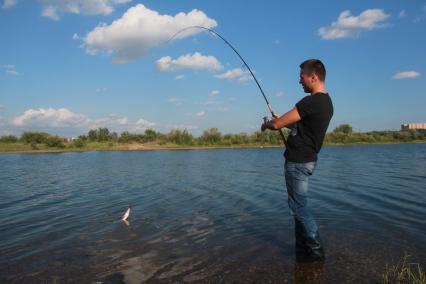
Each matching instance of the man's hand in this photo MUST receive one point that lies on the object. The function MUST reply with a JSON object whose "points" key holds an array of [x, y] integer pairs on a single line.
{"points": [[265, 121]]}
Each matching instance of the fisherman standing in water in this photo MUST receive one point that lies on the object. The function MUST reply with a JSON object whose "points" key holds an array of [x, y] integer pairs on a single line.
{"points": [[308, 122]]}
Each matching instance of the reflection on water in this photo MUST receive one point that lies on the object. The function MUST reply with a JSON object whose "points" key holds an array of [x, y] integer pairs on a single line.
{"points": [[214, 216]]}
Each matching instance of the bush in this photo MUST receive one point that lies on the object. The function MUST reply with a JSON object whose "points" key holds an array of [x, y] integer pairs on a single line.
{"points": [[180, 137], [8, 139], [55, 141], [79, 142]]}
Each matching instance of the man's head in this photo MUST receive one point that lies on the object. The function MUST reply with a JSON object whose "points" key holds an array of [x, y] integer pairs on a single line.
{"points": [[312, 75]]}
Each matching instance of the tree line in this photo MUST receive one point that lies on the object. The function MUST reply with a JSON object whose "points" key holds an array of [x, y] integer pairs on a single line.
{"points": [[343, 134]]}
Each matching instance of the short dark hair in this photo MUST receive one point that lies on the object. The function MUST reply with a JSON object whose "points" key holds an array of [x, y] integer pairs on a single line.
{"points": [[314, 66]]}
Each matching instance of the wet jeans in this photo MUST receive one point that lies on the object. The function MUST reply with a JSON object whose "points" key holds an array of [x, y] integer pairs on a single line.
{"points": [[297, 182]]}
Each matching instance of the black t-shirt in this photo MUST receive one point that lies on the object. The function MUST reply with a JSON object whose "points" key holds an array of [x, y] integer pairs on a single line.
{"points": [[306, 138]]}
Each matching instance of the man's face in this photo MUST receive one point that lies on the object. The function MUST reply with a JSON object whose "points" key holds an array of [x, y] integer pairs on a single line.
{"points": [[305, 81]]}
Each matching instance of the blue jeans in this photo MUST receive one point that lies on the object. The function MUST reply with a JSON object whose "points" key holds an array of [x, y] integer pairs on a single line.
{"points": [[297, 182]]}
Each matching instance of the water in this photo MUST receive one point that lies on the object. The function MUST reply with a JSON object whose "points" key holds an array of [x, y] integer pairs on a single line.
{"points": [[215, 216]]}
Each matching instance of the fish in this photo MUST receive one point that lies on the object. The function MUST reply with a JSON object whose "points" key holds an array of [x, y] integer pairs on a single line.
{"points": [[126, 215]]}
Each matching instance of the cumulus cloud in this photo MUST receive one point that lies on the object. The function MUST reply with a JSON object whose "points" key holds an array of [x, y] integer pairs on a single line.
{"points": [[54, 8], [140, 29], [62, 118], [236, 74], [279, 94], [351, 26], [402, 14], [8, 4], [214, 93], [200, 113], [179, 77], [406, 75], [10, 69], [49, 117], [195, 61]]}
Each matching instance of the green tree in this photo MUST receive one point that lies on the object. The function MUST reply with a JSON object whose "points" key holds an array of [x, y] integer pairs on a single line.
{"points": [[343, 128], [35, 137], [211, 136], [150, 135], [93, 135]]}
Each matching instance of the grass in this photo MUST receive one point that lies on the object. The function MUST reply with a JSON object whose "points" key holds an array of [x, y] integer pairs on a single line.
{"points": [[404, 272]]}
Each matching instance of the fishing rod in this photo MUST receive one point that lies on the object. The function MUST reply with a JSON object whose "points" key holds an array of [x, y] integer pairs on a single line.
{"points": [[245, 64]]}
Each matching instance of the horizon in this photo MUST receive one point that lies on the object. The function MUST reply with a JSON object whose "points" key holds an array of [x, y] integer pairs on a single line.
{"points": [[68, 67]]}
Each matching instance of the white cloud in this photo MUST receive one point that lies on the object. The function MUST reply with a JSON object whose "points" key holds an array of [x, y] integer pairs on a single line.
{"points": [[402, 14], [406, 75], [8, 4], [140, 29], [101, 90], [75, 36], [236, 74], [196, 61], [50, 117], [212, 101], [12, 72], [54, 8], [200, 113], [220, 109], [10, 69], [142, 123], [351, 26], [179, 77], [62, 119], [174, 101], [214, 93], [50, 12], [279, 94]]}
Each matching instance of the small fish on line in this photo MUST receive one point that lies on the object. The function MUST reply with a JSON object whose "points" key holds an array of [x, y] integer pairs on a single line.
{"points": [[126, 215]]}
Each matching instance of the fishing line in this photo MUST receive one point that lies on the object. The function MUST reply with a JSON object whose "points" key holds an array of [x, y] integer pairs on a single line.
{"points": [[245, 64]]}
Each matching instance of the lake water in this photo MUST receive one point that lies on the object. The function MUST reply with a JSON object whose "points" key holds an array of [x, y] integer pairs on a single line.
{"points": [[216, 216]]}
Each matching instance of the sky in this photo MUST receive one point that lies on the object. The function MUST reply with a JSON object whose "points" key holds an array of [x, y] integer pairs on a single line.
{"points": [[68, 66]]}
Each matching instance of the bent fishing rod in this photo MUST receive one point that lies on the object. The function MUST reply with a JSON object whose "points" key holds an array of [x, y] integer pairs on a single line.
{"points": [[245, 64]]}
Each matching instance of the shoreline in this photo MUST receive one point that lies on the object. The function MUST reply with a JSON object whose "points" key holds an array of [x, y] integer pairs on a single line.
{"points": [[142, 147]]}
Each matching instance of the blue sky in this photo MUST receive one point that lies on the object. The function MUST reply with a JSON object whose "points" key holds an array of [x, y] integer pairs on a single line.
{"points": [[71, 65]]}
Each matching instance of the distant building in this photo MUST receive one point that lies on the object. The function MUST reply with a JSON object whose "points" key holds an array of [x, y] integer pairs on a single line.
{"points": [[414, 126]]}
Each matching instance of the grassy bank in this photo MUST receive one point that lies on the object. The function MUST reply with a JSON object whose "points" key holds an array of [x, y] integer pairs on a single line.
{"points": [[101, 146], [102, 140]]}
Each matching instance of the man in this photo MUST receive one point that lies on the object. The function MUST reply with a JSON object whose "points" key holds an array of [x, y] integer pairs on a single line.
{"points": [[308, 122]]}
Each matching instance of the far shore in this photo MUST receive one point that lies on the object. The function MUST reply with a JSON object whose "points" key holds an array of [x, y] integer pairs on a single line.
{"points": [[21, 149]]}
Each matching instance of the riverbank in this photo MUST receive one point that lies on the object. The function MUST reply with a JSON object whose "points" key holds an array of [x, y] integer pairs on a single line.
{"points": [[15, 148]]}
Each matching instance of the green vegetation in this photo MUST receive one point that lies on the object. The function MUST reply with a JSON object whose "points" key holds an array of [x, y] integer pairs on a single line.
{"points": [[404, 272], [103, 139]]}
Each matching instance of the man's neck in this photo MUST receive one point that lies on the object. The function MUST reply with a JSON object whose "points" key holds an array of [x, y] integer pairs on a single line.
{"points": [[319, 89]]}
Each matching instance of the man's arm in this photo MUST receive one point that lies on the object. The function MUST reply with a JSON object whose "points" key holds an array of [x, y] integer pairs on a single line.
{"points": [[285, 120]]}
